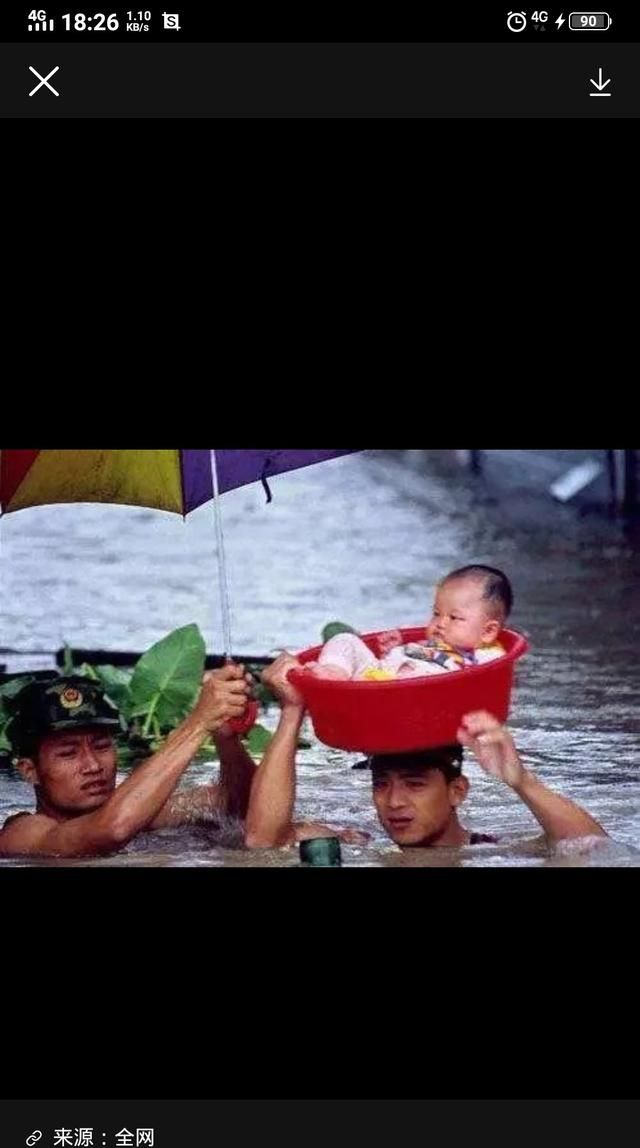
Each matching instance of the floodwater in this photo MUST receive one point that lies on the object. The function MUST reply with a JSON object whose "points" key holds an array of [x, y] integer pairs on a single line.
{"points": [[363, 539]]}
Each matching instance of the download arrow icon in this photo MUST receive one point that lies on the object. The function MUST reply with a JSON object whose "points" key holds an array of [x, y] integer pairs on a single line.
{"points": [[600, 84]]}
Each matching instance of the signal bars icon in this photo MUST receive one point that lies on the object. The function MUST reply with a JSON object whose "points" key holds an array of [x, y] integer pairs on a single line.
{"points": [[42, 26]]}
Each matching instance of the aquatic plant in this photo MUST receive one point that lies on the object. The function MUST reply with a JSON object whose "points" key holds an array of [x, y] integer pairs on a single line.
{"points": [[153, 697]]}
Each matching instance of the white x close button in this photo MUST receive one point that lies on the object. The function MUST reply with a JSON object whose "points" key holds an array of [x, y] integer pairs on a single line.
{"points": [[44, 81]]}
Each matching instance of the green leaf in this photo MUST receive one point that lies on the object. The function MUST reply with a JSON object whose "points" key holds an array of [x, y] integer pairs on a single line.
{"points": [[257, 740], [8, 691], [259, 691], [333, 628], [167, 679], [262, 694], [207, 752], [67, 664], [130, 756], [116, 684], [14, 685]]}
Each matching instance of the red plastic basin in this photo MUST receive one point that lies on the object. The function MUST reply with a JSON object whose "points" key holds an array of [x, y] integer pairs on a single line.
{"points": [[412, 713]]}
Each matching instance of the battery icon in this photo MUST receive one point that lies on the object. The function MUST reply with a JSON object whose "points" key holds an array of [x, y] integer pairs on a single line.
{"points": [[590, 21]]}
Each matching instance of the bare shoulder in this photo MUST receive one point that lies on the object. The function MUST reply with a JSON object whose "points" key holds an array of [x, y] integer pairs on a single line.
{"points": [[14, 817], [23, 833]]}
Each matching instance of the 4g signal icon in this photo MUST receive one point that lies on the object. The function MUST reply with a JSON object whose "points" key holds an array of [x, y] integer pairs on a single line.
{"points": [[38, 22]]}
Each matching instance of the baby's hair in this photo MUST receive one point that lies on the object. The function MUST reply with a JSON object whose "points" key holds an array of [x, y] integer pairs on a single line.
{"points": [[496, 587]]}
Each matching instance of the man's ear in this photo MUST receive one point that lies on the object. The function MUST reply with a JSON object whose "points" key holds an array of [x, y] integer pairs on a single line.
{"points": [[26, 766], [458, 790]]}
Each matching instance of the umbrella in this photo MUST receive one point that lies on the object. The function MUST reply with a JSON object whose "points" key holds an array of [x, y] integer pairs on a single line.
{"points": [[178, 481]]}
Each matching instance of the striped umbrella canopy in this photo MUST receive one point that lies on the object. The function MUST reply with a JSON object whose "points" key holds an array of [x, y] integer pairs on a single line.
{"points": [[171, 480], [174, 480]]}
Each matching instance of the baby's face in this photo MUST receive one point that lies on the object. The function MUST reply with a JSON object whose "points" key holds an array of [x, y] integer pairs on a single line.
{"points": [[461, 616]]}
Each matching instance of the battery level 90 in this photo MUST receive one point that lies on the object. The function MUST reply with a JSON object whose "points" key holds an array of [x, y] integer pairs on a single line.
{"points": [[590, 21]]}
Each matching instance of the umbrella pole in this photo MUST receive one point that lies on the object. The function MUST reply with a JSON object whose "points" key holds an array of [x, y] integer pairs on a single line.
{"points": [[222, 565]]}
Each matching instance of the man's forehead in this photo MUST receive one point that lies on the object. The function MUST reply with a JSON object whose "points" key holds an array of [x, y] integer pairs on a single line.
{"points": [[402, 771]]}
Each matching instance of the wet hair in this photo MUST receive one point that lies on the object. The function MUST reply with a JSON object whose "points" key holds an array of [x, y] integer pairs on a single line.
{"points": [[447, 758], [496, 587]]}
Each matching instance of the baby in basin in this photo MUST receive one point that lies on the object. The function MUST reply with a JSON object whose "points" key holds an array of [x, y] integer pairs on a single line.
{"points": [[470, 609]]}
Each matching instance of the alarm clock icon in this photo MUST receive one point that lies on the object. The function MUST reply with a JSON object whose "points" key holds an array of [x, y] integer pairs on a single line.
{"points": [[516, 22]]}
